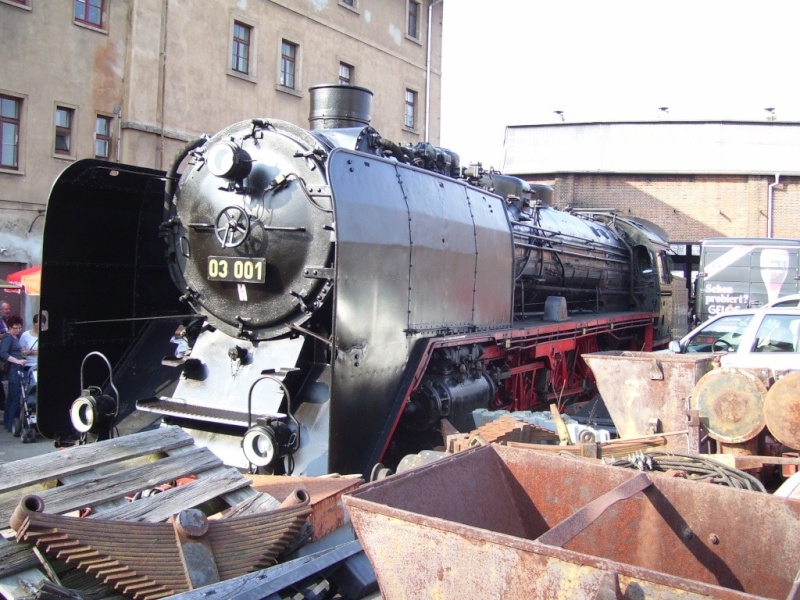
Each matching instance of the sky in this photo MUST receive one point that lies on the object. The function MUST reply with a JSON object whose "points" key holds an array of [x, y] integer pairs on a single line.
{"points": [[515, 62]]}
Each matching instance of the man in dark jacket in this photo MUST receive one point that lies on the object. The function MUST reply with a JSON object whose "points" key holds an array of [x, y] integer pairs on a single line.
{"points": [[5, 312], [11, 352]]}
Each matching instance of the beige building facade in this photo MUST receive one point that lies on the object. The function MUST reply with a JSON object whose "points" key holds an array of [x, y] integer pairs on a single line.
{"points": [[696, 179], [131, 81]]}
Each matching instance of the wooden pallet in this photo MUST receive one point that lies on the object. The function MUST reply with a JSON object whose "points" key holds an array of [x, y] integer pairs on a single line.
{"points": [[127, 478], [105, 476]]}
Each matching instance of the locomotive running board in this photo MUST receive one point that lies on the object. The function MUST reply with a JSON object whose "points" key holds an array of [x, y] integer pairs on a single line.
{"points": [[175, 408], [215, 389]]}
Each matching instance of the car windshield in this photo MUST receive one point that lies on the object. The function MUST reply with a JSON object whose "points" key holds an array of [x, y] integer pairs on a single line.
{"points": [[721, 335]]}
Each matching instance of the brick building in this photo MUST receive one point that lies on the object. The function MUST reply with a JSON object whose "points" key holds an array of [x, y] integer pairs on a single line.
{"points": [[695, 179], [131, 81]]}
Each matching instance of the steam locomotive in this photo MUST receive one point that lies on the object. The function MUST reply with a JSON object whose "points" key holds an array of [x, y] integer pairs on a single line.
{"points": [[346, 300]]}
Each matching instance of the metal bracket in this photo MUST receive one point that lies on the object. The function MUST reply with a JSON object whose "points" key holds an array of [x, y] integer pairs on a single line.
{"points": [[318, 272], [197, 556]]}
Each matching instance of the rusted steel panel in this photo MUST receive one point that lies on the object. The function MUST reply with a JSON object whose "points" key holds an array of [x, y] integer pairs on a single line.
{"points": [[640, 387], [468, 526], [328, 513]]}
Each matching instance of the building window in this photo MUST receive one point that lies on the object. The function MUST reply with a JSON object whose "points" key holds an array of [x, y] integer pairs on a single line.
{"points": [[411, 109], [64, 118], [9, 132], [346, 73], [413, 19], [89, 12], [102, 137], [288, 64], [240, 59], [350, 3]]}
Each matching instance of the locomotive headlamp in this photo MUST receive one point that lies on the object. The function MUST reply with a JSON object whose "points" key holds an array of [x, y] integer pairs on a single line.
{"points": [[95, 411], [92, 411], [259, 445], [264, 443], [229, 161]]}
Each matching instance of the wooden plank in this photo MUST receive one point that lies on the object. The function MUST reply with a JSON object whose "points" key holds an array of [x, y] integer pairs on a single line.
{"points": [[15, 557], [268, 582], [257, 504], [119, 503], [235, 497], [37, 469], [74, 496], [163, 505]]}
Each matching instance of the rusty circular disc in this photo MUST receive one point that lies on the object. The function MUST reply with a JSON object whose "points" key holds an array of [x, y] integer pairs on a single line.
{"points": [[731, 404], [782, 410]]}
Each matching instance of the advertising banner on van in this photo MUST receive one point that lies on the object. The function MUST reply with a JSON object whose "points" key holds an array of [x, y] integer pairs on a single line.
{"points": [[734, 276]]}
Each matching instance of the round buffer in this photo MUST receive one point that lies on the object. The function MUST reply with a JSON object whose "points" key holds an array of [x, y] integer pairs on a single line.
{"points": [[731, 404], [782, 410]]}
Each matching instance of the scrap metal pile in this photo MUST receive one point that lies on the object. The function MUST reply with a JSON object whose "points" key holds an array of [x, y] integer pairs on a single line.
{"points": [[151, 515]]}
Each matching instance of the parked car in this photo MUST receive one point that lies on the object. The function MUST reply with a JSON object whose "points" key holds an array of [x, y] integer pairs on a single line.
{"points": [[720, 333], [753, 338], [790, 301]]}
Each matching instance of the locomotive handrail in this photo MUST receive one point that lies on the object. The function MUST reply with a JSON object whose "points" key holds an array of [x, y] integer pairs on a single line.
{"points": [[600, 246], [569, 253], [132, 319], [561, 235], [303, 331]]}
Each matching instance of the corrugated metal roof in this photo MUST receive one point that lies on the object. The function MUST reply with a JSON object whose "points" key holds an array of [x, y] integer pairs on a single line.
{"points": [[663, 147]]}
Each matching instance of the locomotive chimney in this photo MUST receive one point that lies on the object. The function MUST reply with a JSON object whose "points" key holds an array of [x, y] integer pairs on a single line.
{"points": [[336, 106]]}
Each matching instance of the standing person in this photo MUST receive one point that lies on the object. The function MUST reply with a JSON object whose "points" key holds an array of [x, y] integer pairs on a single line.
{"points": [[5, 312], [29, 340], [11, 352], [180, 339]]}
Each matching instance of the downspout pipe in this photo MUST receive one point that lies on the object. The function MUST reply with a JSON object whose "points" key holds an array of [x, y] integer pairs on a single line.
{"points": [[162, 84], [428, 71], [771, 203]]}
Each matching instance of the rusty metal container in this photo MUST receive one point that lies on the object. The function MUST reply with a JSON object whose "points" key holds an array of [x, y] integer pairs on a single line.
{"points": [[640, 388], [502, 522]]}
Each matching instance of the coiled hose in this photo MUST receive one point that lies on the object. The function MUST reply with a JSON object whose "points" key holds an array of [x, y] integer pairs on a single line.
{"points": [[697, 468]]}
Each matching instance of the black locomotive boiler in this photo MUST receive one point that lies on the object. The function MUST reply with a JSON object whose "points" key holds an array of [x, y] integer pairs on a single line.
{"points": [[344, 298]]}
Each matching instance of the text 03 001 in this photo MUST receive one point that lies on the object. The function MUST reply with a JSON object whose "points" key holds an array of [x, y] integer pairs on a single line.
{"points": [[241, 270]]}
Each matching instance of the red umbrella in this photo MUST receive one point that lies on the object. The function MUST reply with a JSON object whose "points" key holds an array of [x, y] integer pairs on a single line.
{"points": [[29, 280]]}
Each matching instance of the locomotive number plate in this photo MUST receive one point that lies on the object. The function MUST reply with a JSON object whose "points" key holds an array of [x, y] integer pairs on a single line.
{"points": [[239, 270]]}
